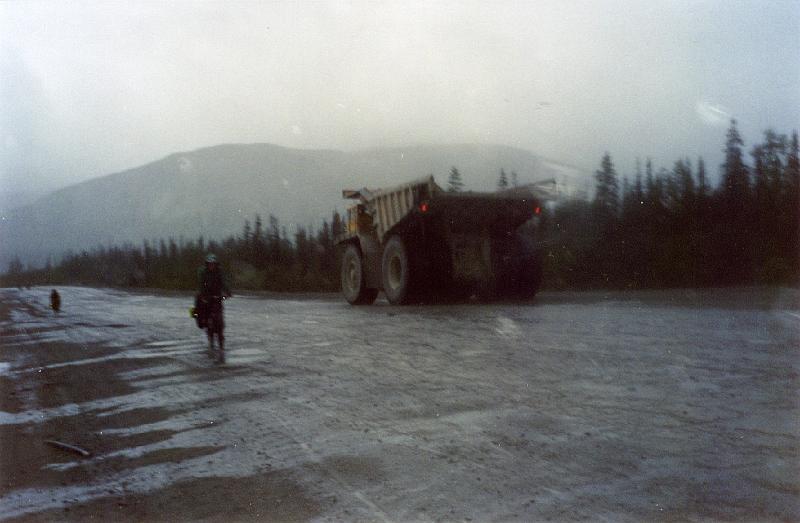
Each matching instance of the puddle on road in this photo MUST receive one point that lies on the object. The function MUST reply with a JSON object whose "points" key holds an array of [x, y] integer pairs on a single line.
{"points": [[20, 316], [151, 372], [89, 361], [140, 457], [38, 415], [170, 343], [262, 496], [178, 423], [246, 352]]}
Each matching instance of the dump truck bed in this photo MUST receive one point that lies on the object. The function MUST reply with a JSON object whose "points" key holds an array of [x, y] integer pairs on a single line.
{"points": [[388, 206]]}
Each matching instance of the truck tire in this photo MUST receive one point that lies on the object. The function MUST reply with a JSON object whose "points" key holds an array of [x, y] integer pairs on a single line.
{"points": [[354, 282], [396, 272], [530, 278]]}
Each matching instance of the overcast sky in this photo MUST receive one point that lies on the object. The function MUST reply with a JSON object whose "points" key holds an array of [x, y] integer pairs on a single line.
{"points": [[90, 88]]}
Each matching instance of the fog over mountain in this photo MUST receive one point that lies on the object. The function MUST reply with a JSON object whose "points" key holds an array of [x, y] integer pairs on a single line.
{"points": [[90, 88], [212, 191]]}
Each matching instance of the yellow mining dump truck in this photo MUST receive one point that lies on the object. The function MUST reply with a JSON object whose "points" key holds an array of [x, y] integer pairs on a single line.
{"points": [[417, 242]]}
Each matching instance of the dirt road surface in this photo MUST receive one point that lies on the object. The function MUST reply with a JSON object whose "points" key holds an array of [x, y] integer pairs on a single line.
{"points": [[658, 406]]}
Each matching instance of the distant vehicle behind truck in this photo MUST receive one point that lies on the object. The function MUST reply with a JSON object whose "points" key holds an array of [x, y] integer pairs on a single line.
{"points": [[417, 242]]}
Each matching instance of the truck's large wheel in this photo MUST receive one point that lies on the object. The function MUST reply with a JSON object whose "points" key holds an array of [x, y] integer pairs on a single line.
{"points": [[354, 282], [530, 277], [396, 272]]}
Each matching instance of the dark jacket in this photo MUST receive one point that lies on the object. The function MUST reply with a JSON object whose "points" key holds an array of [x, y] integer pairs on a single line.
{"points": [[212, 283]]}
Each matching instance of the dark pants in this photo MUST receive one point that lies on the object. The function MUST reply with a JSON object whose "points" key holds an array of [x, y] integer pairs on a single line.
{"points": [[215, 319]]}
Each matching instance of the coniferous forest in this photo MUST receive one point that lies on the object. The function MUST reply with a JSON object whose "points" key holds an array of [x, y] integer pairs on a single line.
{"points": [[655, 228], [671, 228], [260, 258]]}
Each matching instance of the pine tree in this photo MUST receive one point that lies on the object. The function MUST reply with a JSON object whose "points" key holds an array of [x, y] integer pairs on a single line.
{"points": [[274, 240], [650, 184], [702, 228], [258, 245], [735, 221], [502, 182], [792, 173], [605, 211], [673, 191], [775, 239], [735, 178], [774, 151], [638, 191], [258, 229], [791, 204], [337, 225], [454, 183], [514, 179], [327, 256], [686, 187], [760, 177], [606, 198], [628, 198], [702, 182]]}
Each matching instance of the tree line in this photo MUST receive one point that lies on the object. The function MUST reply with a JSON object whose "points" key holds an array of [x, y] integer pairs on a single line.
{"points": [[654, 229], [671, 228], [262, 257]]}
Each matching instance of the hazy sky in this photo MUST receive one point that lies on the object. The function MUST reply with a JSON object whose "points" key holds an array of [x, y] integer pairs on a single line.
{"points": [[89, 88]]}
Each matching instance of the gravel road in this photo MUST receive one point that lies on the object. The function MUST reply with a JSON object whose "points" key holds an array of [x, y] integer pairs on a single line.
{"points": [[673, 405]]}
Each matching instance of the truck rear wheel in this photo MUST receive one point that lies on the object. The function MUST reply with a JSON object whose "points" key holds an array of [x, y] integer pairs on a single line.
{"points": [[396, 272], [530, 278], [354, 282]]}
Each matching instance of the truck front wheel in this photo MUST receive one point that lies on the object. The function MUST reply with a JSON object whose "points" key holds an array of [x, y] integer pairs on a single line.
{"points": [[354, 284], [396, 272]]}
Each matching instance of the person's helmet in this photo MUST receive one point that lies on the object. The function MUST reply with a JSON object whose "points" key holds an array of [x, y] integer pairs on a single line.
{"points": [[211, 258]]}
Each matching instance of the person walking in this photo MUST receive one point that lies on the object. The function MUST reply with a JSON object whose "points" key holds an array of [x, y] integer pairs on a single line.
{"points": [[55, 301], [213, 290]]}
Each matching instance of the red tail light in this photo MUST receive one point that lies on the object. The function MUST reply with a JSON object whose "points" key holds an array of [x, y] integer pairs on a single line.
{"points": [[537, 210], [423, 207]]}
